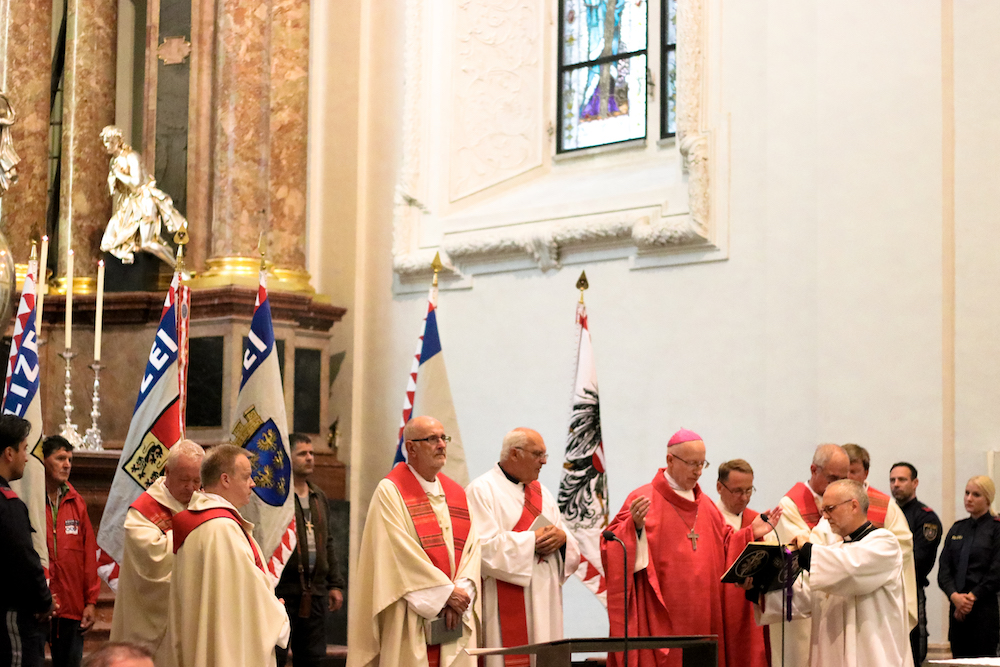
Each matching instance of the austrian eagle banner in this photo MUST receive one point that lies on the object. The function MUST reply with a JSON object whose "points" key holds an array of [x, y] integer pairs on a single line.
{"points": [[23, 399], [429, 393], [583, 489], [156, 427], [261, 428]]}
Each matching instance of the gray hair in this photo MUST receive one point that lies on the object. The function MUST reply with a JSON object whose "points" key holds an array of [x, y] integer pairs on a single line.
{"points": [[824, 453], [514, 439], [188, 448], [854, 489], [112, 652]]}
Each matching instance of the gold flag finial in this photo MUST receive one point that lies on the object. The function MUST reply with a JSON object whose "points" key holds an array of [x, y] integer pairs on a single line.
{"points": [[262, 247], [582, 284], [34, 250], [181, 238], [437, 266]]}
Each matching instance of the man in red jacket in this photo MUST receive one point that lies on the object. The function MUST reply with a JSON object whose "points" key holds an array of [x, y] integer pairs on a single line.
{"points": [[72, 556]]}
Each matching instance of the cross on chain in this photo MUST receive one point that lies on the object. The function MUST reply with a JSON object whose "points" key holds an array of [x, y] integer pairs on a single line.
{"points": [[693, 536]]}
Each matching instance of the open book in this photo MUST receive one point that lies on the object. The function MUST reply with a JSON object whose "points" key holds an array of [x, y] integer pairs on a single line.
{"points": [[765, 563]]}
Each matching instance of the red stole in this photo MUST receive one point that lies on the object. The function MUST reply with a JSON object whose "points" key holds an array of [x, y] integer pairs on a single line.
{"points": [[513, 616], [805, 501], [154, 511], [878, 505], [429, 532], [188, 520]]}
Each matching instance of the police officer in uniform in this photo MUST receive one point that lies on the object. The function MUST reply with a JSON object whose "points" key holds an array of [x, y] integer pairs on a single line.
{"points": [[926, 529], [25, 601], [969, 574]]}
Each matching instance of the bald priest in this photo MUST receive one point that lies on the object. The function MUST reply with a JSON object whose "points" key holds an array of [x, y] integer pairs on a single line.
{"points": [[678, 546], [854, 593]]}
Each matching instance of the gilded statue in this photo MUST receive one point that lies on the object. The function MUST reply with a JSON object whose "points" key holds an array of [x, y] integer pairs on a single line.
{"points": [[139, 210], [8, 156]]}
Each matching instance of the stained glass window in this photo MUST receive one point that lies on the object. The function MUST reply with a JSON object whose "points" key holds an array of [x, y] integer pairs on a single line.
{"points": [[602, 72], [668, 65]]}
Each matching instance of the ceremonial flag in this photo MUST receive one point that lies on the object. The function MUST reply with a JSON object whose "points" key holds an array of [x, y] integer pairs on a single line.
{"points": [[428, 393], [23, 399], [583, 489], [156, 427], [261, 428]]}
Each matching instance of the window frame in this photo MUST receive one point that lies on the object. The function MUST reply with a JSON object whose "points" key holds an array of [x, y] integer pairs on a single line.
{"points": [[666, 50]]}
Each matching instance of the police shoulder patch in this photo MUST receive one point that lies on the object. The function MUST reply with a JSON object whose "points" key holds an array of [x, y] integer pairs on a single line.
{"points": [[931, 531], [8, 493]]}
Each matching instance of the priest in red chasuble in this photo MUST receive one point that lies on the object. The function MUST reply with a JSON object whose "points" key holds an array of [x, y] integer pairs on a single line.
{"points": [[419, 562], [678, 547]]}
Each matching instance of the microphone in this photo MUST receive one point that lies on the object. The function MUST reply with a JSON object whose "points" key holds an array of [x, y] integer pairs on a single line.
{"points": [[785, 601], [611, 537]]}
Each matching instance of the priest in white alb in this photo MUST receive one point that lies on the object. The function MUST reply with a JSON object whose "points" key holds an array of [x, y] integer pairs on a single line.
{"points": [[143, 591], [222, 611], [417, 577], [854, 591], [527, 550]]}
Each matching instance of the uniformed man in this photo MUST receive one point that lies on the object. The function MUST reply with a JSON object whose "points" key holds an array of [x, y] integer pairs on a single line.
{"points": [[25, 601], [926, 529]]}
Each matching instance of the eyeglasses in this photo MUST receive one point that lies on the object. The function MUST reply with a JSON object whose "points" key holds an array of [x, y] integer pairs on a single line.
{"points": [[828, 509], [541, 456], [692, 464], [740, 492], [433, 438]]}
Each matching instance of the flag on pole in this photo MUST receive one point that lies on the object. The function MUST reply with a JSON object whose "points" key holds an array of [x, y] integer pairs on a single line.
{"points": [[156, 427], [261, 428], [23, 399], [428, 393], [583, 489]]}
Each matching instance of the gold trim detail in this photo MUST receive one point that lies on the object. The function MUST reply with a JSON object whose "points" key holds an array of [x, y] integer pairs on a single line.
{"points": [[245, 271], [81, 285]]}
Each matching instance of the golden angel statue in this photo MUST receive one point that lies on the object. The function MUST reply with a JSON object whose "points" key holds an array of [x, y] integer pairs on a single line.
{"points": [[138, 208], [8, 156]]}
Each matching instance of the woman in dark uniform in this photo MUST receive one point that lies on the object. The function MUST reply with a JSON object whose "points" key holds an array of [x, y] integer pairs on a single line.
{"points": [[969, 574]]}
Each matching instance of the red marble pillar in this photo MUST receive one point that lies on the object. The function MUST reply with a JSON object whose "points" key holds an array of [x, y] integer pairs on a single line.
{"points": [[88, 106], [28, 75], [288, 132]]}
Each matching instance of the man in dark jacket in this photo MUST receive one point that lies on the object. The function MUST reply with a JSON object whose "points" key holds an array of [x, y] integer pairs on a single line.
{"points": [[72, 555], [311, 582], [25, 601]]}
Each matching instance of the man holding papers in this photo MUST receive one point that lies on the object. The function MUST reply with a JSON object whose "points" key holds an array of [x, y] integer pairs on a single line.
{"points": [[527, 551]]}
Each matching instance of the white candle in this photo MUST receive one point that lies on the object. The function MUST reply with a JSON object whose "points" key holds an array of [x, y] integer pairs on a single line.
{"points": [[42, 285], [99, 317], [69, 299]]}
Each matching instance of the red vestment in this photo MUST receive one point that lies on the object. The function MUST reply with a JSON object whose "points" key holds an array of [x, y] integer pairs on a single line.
{"points": [[680, 592], [743, 636]]}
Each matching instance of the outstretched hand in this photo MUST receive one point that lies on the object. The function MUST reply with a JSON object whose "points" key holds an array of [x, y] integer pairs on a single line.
{"points": [[762, 528], [639, 508]]}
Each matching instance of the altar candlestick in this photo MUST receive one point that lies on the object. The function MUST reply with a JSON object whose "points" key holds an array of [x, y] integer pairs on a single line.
{"points": [[69, 299], [99, 317]]}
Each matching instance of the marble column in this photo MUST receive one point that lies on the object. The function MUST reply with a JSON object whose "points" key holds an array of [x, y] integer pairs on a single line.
{"points": [[240, 200], [88, 106], [289, 132], [26, 80]]}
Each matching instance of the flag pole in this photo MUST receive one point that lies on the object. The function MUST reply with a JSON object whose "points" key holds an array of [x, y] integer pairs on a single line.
{"points": [[437, 265], [582, 284]]}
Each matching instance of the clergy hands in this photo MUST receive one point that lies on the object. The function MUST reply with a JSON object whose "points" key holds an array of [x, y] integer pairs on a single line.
{"points": [[336, 599], [451, 618], [639, 508], [549, 539], [762, 528], [963, 604], [800, 540], [458, 602], [88, 617]]}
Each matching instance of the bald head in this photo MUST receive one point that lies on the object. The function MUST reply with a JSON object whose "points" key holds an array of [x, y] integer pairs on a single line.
{"points": [[830, 463], [426, 446], [846, 506], [523, 454]]}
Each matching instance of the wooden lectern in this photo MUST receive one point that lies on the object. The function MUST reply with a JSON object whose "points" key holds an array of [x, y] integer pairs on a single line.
{"points": [[699, 650]]}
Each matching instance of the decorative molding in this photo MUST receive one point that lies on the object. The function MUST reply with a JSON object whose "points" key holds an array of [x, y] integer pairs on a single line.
{"points": [[683, 236], [496, 132]]}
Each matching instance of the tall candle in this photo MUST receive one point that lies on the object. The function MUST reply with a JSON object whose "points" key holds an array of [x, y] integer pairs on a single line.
{"points": [[69, 299], [42, 288], [99, 317]]}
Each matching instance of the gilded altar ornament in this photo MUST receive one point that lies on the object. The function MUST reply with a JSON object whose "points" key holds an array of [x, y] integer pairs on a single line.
{"points": [[8, 156], [139, 210]]}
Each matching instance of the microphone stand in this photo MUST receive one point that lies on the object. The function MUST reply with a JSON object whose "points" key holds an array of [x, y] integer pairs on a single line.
{"points": [[784, 593], [611, 537]]}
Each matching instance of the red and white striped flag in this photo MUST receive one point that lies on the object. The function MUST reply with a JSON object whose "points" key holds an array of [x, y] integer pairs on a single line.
{"points": [[583, 489]]}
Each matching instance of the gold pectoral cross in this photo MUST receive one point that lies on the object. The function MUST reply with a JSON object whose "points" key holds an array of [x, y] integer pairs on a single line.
{"points": [[693, 536]]}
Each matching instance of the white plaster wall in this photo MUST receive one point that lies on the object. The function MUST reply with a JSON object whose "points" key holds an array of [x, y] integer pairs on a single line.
{"points": [[824, 325]]}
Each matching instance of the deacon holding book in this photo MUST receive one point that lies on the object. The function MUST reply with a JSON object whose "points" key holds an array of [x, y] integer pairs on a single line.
{"points": [[854, 592], [417, 585], [528, 552], [678, 547], [735, 487]]}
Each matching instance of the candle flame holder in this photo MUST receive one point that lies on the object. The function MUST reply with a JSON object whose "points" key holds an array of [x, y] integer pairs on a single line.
{"points": [[69, 430], [92, 439]]}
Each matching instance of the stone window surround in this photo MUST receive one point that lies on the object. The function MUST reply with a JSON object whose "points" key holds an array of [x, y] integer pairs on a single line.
{"points": [[684, 222]]}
